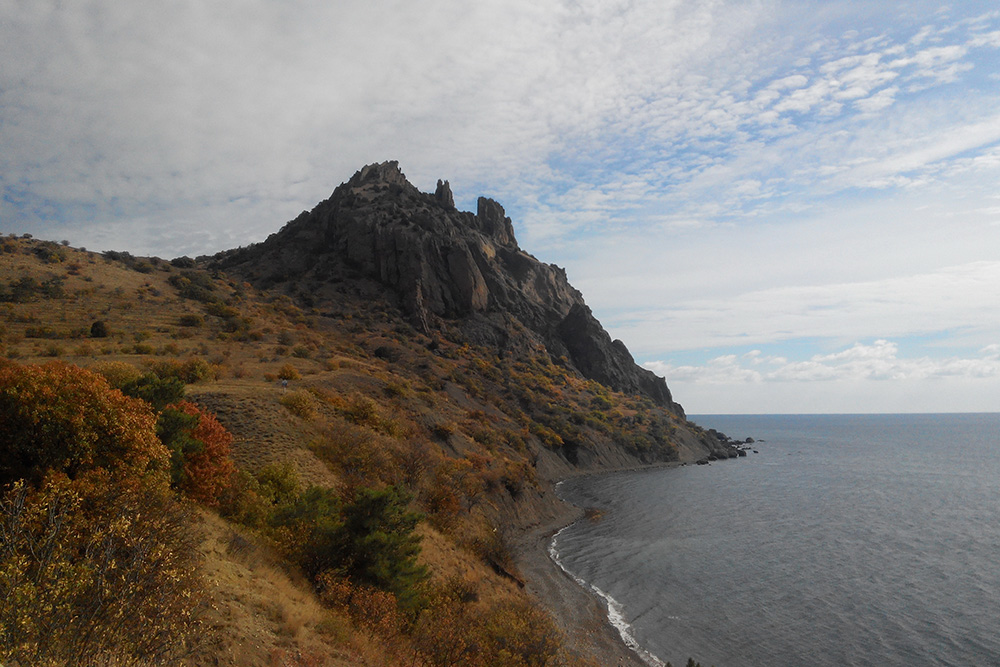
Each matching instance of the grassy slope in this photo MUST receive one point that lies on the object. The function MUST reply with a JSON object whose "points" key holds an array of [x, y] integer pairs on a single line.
{"points": [[477, 439]]}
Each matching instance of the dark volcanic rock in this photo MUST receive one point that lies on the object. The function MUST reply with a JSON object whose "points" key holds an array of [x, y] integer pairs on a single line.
{"points": [[444, 264]]}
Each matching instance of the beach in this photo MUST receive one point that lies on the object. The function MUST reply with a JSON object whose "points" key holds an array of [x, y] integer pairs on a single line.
{"points": [[589, 636]]}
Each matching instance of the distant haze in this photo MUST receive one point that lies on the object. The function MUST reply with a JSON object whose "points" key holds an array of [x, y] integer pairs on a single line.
{"points": [[780, 206]]}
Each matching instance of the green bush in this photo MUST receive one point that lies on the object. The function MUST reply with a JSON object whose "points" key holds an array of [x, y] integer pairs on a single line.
{"points": [[194, 285], [155, 390]]}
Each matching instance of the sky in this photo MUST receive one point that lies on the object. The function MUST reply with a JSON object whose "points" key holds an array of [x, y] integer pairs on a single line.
{"points": [[780, 206]]}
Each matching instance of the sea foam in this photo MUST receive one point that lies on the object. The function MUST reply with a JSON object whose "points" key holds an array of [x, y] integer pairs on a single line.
{"points": [[616, 613]]}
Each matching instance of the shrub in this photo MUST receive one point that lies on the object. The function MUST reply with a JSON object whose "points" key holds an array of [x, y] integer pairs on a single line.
{"points": [[376, 611], [158, 392], [93, 573], [194, 285], [183, 262], [254, 499], [288, 372], [99, 330], [443, 430], [64, 418], [300, 403], [221, 310], [191, 320], [508, 633], [200, 449], [189, 371], [359, 456], [364, 411]]}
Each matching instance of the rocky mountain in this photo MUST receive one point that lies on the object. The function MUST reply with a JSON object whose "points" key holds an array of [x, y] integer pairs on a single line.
{"points": [[382, 350], [442, 266]]}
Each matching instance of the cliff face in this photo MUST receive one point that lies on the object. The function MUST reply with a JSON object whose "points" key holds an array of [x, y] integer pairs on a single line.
{"points": [[445, 265]]}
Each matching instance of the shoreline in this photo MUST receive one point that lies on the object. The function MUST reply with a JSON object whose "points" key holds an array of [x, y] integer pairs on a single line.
{"points": [[590, 635]]}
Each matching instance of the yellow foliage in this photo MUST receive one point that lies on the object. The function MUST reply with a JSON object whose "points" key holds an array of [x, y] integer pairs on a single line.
{"points": [[300, 403], [95, 573]]}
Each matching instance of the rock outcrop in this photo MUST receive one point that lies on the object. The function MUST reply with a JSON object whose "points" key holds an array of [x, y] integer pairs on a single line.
{"points": [[443, 264]]}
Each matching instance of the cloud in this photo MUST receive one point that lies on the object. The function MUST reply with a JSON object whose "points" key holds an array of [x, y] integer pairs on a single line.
{"points": [[952, 298], [166, 116], [877, 361]]}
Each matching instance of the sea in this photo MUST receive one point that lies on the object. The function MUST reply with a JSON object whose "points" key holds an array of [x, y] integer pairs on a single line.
{"points": [[842, 540]]}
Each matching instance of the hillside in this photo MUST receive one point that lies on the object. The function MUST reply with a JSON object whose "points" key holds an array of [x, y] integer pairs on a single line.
{"points": [[383, 340]]}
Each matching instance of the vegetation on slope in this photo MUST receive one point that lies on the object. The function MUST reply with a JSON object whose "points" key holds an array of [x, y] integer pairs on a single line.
{"points": [[371, 472]]}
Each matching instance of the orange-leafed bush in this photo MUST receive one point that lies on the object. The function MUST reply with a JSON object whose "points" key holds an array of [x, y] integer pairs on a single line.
{"points": [[200, 449], [63, 418], [375, 610]]}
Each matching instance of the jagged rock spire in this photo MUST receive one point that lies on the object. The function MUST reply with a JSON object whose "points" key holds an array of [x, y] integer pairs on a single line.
{"points": [[443, 194]]}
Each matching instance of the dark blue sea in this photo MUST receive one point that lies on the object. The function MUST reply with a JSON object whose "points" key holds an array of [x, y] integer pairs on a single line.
{"points": [[846, 540]]}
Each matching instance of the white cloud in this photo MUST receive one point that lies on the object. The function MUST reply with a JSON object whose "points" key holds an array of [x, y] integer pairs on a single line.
{"points": [[697, 164], [879, 101], [878, 361]]}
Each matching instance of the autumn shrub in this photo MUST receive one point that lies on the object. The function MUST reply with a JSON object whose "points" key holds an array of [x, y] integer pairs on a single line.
{"points": [[443, 429], [364, 411], [64, 418], [370, 608], [457, 629], [300, 403], [253, 499], [279, 483], [93, 573], [188, 371], [360, 456], [516, 633], [117, 373], [288, 372], [200, 447], [194, 285], [454, 487]]}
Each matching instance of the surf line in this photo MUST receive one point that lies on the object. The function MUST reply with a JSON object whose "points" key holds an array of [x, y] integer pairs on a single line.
{"points": [[616, 613]]}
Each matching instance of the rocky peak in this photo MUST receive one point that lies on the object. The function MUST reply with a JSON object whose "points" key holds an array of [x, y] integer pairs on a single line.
{"points": [[442, 264], [387, 173], [443, 194], [493, 222]]}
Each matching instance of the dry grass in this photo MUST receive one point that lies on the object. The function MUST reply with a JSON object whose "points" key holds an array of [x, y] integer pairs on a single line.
{"points": [[264, 611]]}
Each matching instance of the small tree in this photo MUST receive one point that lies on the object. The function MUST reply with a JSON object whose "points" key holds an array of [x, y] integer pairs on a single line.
{"points": [[379, 546]]}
